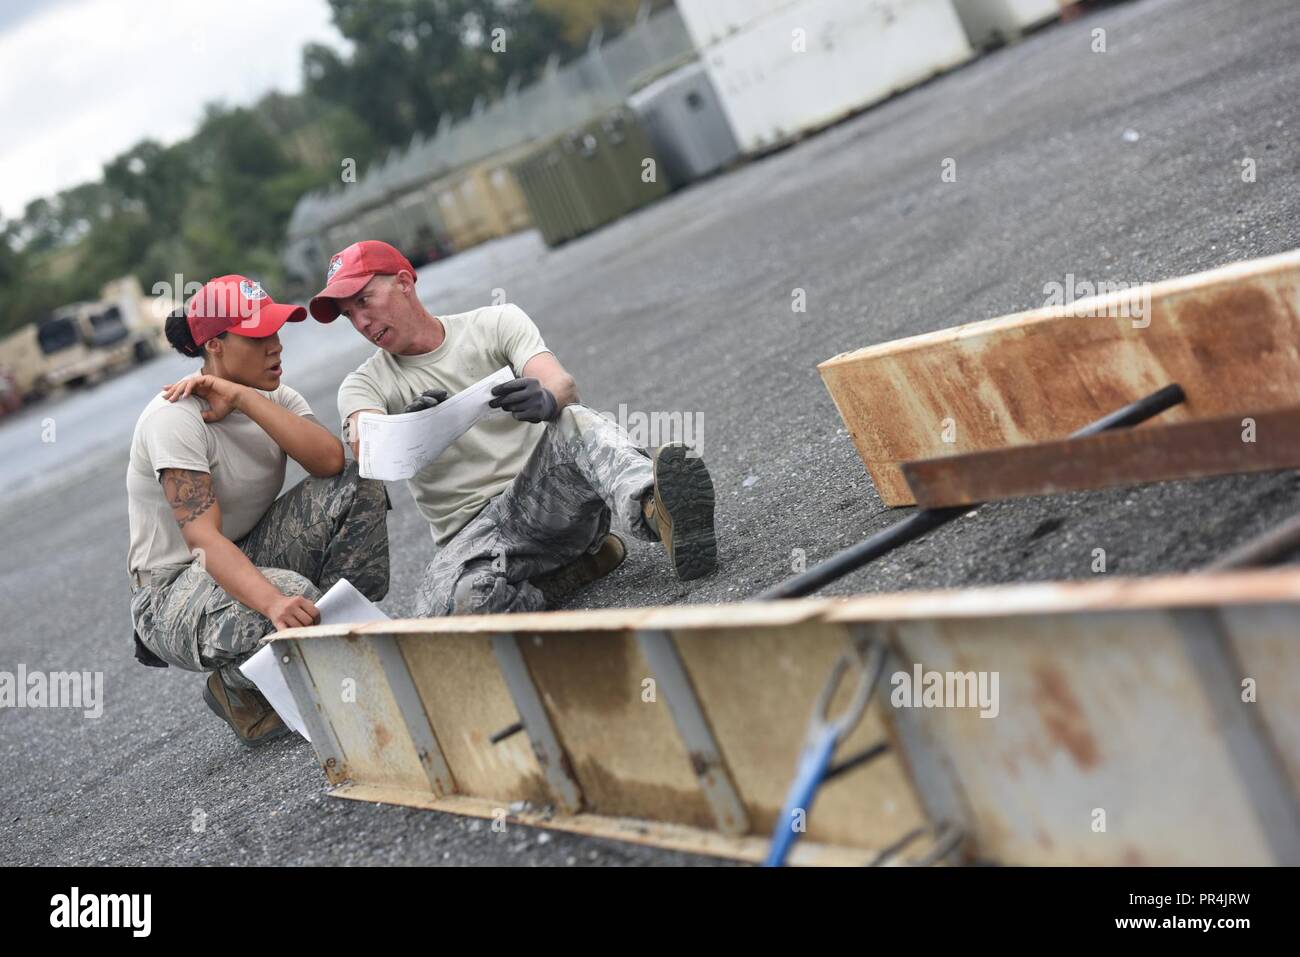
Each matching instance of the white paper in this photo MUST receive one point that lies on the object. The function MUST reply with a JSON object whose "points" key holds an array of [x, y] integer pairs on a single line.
{"points": [[341, 605], [394, 447]]}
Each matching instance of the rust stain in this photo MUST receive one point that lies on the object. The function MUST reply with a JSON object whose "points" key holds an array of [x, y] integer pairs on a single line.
{"points": [[383, 737], [1063, 717], [1133, 858]]}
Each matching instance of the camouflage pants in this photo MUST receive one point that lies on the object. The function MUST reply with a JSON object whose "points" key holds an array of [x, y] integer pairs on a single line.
{"points": [[583, 470], [319, 531]]}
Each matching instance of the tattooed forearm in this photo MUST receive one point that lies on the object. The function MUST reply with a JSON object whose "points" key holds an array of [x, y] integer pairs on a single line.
{"points": [[188, 493]]}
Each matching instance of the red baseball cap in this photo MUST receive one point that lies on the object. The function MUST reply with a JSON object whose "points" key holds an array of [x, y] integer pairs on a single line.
{"points": [[237, 304], [351, 269]]}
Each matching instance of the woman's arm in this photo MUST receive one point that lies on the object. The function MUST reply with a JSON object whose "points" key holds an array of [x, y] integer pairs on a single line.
{"points": [[195, 507], [308, 443]]}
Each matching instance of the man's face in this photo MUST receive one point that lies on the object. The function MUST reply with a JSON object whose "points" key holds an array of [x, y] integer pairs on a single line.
{"points": [[382, 312]]}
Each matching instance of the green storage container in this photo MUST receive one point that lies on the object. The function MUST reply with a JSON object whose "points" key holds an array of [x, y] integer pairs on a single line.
{"points": [[589, 176]]}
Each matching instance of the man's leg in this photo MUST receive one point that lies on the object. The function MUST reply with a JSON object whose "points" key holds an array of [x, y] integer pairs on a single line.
{"points": [[527, 531], [557, 508], [668, 498], [620, 473]]}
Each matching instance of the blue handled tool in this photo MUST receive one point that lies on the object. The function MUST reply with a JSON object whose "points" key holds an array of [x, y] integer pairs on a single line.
{"points": [[820, 742]]}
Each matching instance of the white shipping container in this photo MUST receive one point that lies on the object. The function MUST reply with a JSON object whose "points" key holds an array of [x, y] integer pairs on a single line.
{"points": [[816, 61], [988, 22], [708, 21]]}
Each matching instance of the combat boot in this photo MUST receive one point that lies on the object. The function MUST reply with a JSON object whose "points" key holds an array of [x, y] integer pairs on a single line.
{"points": [[582, 571], [249, 714], [680, 510]]}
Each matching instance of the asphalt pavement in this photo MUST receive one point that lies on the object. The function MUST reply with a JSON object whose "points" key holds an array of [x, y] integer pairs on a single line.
{"points": [[1120, 166]]}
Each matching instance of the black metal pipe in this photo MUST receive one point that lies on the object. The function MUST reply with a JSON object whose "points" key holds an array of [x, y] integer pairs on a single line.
{"points": [[927, 519], [509, 731]]}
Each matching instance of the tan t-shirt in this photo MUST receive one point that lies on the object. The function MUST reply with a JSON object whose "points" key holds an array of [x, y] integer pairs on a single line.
{"points": [[481, 463], [246, 465]]}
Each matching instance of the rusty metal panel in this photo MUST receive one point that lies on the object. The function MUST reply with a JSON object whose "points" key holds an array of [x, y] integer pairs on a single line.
{"points": [[1156, 453], [355, 698], [1096, 712], [1230, 337], [1259, 765], [1106, 700]]}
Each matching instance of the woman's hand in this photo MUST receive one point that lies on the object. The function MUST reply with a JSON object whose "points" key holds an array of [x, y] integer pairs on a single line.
{"points": [[292, 611], [222, 395]]}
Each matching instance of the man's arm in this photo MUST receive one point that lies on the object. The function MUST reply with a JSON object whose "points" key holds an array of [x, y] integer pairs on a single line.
{"points": [[197, 512], [351, 433], [546, 369]]}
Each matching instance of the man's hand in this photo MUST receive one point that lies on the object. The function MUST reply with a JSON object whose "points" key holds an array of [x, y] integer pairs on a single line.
{"points": [[526, 399], [426, 400], [291, 611], [222, 395]]}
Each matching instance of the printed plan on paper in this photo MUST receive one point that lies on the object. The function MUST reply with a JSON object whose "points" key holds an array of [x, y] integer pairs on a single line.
{"points": [[394, 447]]}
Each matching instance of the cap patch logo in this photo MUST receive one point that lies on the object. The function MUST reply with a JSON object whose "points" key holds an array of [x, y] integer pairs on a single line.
{"points": [[251, 290], [335, 265]]}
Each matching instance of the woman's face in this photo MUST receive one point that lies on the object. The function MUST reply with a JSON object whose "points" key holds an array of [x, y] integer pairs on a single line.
{"points": [[248, 361]]}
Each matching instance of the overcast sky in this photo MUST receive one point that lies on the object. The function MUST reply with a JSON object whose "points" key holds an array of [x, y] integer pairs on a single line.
{"points": [[84, 80]]}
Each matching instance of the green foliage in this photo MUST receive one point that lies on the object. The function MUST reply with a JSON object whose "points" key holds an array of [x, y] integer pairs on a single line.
{"points": [[220, 201]]}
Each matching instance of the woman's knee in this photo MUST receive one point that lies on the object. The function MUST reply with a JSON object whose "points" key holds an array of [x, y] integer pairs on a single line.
{"points": [[291, 583]]}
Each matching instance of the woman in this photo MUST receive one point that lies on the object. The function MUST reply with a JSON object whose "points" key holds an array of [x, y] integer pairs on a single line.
{"points": [[216, 560]]}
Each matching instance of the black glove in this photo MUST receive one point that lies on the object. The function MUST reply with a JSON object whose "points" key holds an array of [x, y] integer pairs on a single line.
{"points": [[526, 399], [426, 400]]}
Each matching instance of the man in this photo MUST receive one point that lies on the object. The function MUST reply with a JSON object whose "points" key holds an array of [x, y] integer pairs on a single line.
{"points": [[520, 506]]}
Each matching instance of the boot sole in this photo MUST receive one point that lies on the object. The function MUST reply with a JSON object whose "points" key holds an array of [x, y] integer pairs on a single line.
{"points": [[215, 705], [685, 490]]}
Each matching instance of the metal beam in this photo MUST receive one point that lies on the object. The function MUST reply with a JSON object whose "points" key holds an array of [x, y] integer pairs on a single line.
{"points": [[1185, 450], [407, 696], [329, 752], [701, 746], [541, 733]]}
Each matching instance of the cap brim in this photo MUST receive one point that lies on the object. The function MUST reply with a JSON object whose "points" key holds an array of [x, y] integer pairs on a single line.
{"points": [[323, 306], [268, 320]]}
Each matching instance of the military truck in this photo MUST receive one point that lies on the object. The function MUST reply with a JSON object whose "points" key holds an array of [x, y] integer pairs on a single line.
{"points": [[21, 363], [86, 342]]}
